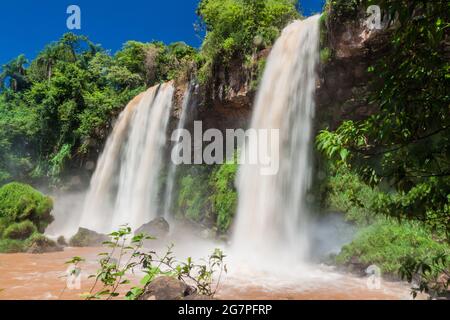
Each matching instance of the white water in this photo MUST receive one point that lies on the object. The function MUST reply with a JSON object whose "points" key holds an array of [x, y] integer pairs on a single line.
{"points": [[185, 116], [272, 217], [125, 184]]}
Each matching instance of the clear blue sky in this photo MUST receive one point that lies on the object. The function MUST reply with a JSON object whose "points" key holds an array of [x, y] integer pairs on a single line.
{"points": [[28, 25]]}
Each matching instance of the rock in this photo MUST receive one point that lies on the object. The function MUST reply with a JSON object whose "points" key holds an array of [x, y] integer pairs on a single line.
{"points": [[158, 228], [39, 244], [87, 238], [168, 288], [355, 266], [61, 241]]}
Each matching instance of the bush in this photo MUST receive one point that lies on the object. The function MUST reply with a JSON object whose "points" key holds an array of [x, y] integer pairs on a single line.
{"points": [[347, 193], [11, 246], [237, 27], [193, 197], [19, 202], [387, 243], [224, 196], [39, 243], [20, 231]]}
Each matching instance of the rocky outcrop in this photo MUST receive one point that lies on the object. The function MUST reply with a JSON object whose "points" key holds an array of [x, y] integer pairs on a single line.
{"points": [[87, 238], [40, 244], [344, 81], [168, 288], [158, 228], [225, 102], [61, 241]]}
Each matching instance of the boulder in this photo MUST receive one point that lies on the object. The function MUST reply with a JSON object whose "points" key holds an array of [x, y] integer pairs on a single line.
{"points": [[61, 241], [357, 267], [39, 244], [168, 288], [158, 228], [88, 238]]}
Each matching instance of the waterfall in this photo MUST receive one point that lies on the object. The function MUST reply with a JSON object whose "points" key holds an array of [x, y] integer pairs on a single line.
{"points": [[271, 223], [186, 113], [125, 184]]}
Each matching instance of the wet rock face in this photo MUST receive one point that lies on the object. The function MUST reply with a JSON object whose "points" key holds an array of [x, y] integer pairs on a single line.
{"points": [[168, 288], [87, 238], [344, 82], [226, 101]]}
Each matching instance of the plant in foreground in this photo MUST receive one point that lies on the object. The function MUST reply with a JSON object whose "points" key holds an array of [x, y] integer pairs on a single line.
{"points": [[431, 276], [128, 255]]}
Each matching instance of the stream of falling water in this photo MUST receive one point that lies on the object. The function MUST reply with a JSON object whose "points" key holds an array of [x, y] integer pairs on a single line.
{"points": [[270, 239], [186, 113], [271, 222], [125, 183]]}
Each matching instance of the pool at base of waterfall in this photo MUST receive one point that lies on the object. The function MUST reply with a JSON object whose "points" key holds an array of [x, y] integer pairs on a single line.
{"points": [[42, 277]]}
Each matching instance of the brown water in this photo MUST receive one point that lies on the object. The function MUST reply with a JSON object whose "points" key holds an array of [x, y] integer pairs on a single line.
{"points": [[41, 277]]}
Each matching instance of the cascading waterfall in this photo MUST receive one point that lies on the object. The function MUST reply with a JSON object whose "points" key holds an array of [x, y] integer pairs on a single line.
{"points": [[124, 186], [271, 222], [186, 112]]}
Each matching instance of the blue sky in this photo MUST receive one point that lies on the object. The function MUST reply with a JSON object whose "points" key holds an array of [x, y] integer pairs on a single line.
{"points": [[27, 26]]}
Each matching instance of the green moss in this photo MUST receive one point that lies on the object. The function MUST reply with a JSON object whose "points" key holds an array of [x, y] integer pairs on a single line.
{"points": [[11, 246], [258, 74], [39, 243], [236, 28], [19, 202], [20, 231], [325, 55], [224, 196], [208, 194], [386, 243], [193, 197]]}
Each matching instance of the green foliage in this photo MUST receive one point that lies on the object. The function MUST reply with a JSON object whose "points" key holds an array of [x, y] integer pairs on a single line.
{"points": [[224, 194], [432, 274], [406, 143], [208, 194], [39, 240], [346, 192], [387, 243], [57, 162], [61, 105], [237, 27], [127, 254], [19, 202], [325, 55], [193, 197], [11, 246], [20, 231]]}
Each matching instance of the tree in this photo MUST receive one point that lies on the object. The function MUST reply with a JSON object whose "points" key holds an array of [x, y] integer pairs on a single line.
{"points": [[406, 145], [13, 74]]}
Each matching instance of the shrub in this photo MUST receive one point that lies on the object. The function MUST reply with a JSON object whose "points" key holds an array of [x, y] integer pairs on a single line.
{"points": [[20, 231], [224, 196], [11, 246], [387, 243], [193, 198], [237, 27], [347, 193], [19, 202]]}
